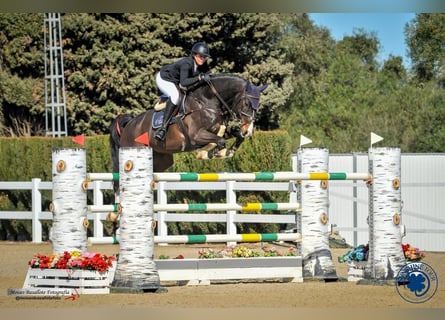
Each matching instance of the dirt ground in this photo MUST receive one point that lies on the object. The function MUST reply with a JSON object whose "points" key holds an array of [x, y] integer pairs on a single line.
{"points": [[309, 295]]}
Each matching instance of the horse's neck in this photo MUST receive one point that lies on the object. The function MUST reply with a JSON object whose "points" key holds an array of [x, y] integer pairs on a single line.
{"points": [[226, 89]]}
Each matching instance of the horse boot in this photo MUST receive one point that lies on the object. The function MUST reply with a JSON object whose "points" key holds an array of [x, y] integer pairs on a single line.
{"points": [[168, 112]]}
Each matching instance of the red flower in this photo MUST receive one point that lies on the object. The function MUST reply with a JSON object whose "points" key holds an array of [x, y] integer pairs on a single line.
{"points": [[93, 261], [405, 247]]}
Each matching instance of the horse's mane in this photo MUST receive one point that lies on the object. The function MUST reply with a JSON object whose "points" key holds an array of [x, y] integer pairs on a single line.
{"points": [[225, 76], [218, 78]]}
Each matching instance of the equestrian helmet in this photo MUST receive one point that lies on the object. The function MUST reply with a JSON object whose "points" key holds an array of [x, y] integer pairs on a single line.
{"points": [[201, 48]]}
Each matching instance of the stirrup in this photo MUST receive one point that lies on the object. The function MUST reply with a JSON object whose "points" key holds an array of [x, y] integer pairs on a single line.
{"points": [[160, 134]]}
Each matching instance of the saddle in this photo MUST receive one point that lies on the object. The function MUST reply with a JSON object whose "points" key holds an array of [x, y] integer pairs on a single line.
{"points": [[158, 115]]}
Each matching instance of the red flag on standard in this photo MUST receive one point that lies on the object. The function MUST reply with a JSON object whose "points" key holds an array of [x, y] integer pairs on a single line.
{"points": [[143, 138], [79, 140]]}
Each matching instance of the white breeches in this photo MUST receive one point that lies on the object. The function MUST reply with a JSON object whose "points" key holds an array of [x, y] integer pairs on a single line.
{"points": [[168, 88]]}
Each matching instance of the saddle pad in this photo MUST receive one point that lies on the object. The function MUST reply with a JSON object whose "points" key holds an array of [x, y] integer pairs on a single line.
{"points": [[157, 120], [158, 115]]}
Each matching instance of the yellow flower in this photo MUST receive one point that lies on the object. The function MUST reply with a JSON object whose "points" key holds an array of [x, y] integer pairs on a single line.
{"points": [[75, 254], [52, 256]]}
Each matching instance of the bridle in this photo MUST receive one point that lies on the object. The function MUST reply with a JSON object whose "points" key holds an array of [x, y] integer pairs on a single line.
{"points": [[247, 98], [227, 109]]}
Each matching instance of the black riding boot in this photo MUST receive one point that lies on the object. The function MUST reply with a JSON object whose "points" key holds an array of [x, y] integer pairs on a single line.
{"points": [[160, 133]]}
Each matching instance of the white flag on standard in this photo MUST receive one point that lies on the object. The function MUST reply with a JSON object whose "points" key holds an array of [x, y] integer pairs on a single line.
{"points": [[304, 140], [375, 138]]}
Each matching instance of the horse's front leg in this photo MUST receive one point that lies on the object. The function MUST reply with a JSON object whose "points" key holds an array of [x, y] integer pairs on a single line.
{"points": [[235, 146], [239, 138], [212, 144]]}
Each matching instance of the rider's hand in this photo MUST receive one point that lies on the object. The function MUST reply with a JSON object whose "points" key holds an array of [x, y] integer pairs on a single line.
{"points": [[204, 77]]}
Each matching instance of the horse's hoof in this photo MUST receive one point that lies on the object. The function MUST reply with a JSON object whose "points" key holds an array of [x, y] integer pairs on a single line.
{"points": [[225, 153], [202, 155], [221, 153], [112, 217]]}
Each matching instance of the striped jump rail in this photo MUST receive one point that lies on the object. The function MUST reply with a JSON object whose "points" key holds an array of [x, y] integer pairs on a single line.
{"points": [[230, 176], [104, 176], [105, 208], [253, 206], [252, 237], [210, 238], [193, 207], [259, 176]]}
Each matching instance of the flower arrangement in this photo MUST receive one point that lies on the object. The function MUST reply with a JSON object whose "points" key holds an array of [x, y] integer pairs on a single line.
{"points": [[243, 252], [211, 253], [359, 253], [73, 260], [412, 253], [273, 252]]}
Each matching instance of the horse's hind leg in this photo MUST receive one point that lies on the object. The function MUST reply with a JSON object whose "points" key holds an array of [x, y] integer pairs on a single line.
{"points": [[162, 161]]}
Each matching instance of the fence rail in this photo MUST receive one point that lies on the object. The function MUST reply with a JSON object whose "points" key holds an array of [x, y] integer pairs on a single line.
{"points": [[422, 184], [230, 217]]}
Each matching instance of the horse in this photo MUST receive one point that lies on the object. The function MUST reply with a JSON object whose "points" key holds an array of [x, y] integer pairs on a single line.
{"points": [[215, 110]]}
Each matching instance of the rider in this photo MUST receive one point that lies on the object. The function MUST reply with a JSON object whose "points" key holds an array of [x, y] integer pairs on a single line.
{"points": [[184, 73]]}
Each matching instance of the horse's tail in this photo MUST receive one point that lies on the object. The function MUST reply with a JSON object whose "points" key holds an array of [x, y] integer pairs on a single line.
{"points": [[116, 128]]}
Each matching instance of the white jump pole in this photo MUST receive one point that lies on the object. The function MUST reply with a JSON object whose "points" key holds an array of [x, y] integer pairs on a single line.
{"points": [[386, 256], [314, 199], [69, 227], [136, 271], [209, 238]]}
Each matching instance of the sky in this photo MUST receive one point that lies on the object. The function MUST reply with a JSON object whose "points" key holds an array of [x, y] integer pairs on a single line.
{"points": [[389, 28]]}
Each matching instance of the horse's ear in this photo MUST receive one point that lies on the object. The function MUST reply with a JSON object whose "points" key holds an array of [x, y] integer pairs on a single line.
{"points": [[263, 87]]}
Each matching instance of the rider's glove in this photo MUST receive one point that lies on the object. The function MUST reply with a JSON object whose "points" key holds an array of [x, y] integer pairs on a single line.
{"points": [[204, 77]]}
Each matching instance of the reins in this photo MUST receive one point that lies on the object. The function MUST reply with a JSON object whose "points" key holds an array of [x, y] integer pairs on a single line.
{"points": [[226, 107]]}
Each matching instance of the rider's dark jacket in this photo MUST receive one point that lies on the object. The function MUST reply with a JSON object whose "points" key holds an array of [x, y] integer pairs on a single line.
{"points": [[182, 72]]}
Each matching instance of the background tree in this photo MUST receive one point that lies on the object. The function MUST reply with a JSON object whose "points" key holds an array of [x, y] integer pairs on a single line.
{"points": [[338, 86], [310, 49], [345, 90], [362, 44], [108, 62], [111, 60], [21, 69], [425, 37], [334, 92]]}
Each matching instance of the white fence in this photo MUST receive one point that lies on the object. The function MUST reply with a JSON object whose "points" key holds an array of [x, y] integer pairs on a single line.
{"points": [[230, 218], [422, 185], [423, 190], [38, 213]]}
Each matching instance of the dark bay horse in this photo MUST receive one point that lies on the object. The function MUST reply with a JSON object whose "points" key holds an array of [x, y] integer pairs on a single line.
{"points": [[222, 108]]}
